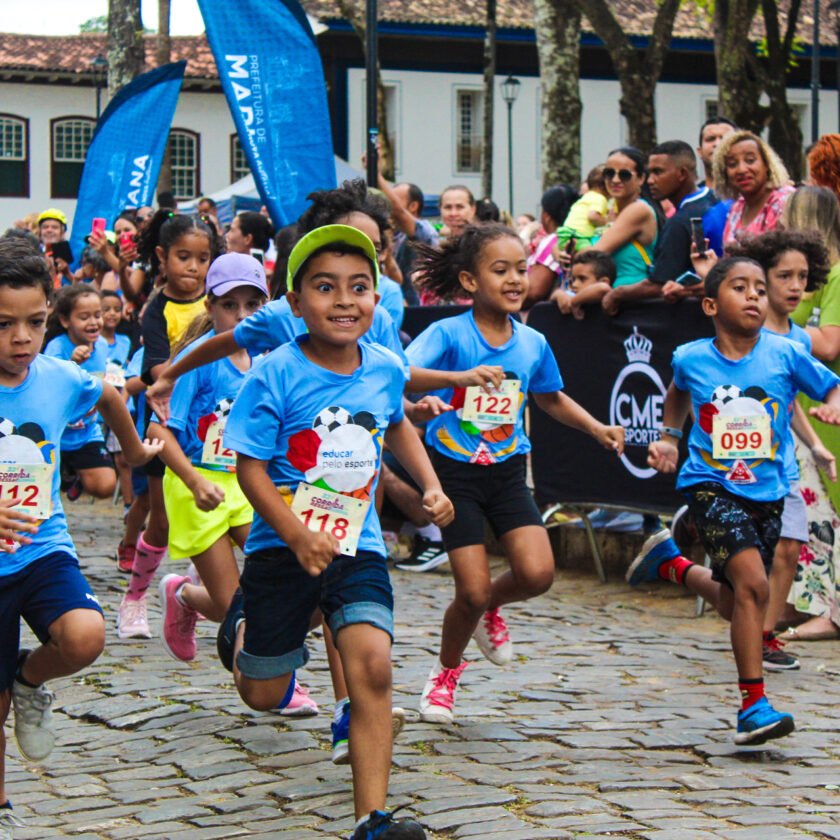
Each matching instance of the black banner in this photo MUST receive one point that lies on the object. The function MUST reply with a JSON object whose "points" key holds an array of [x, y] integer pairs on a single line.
{"points": [[417, 318], [618, 368]]}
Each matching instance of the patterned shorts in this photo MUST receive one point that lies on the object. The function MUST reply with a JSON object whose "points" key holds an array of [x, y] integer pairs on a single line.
{"points": [[728, 524]]}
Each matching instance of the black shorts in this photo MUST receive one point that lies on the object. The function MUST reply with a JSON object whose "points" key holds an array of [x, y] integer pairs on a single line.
{"points": [[495, 492], [728, 524], [154, 468], [88, 457]]}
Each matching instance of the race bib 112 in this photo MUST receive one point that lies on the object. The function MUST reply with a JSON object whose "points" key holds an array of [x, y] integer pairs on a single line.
{"points": [[29, 486], [214, 453]]}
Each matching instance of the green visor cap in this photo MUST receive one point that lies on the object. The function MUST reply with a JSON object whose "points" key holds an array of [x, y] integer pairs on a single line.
{"points": [[327, 235]]}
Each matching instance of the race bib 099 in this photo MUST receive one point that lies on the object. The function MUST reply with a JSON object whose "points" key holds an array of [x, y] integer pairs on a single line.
{"points": [[741, 437]]}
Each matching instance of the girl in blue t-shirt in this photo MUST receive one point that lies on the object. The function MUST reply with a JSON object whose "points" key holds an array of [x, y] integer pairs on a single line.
{"points": [[479, 449], [85, 461], [206, 508]]}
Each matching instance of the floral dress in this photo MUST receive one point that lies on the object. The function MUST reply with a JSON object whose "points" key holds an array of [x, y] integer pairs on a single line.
{"points": [[767, 219]]}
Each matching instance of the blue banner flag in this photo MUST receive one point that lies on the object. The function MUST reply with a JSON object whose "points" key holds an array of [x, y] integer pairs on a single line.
{"points": [[124, 157], [272, 77]]}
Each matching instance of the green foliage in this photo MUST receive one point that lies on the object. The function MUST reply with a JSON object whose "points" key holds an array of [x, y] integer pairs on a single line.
{"points": [[797, 48], [95, 24]]}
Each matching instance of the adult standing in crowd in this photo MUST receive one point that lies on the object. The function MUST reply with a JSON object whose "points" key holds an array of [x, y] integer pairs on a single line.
{"points": [[52, 227], [711, 133], [543, 266], [457, 209], [816, 588], [824, 163], [631, 239], [248, 231], [750, 172]]}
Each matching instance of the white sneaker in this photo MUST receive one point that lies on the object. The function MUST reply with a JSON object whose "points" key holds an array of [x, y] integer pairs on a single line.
{"points": [[438, 696], [33, 720], [133, 620], [493, 638], [9, 821]]}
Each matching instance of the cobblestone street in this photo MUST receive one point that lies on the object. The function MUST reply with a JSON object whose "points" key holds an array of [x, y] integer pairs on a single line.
{"points": [[616, 719]]}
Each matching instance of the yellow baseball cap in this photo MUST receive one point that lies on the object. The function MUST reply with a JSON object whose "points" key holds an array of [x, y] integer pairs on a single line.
{"points": [[328, 235], [52, 213]]}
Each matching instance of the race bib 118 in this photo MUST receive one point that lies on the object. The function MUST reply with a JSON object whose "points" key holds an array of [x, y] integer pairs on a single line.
{"points": [[500, 407], [333, 513], [29, 486], [741, 437]]}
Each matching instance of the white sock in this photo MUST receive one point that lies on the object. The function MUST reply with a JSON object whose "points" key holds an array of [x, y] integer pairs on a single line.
{"points": [[339, 710], [430, 532], [179, 594]]}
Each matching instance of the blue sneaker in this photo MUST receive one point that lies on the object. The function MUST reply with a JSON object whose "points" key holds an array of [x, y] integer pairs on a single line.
{"points": [[761, 722], [381, 825], [226, 636], [656, 550], [341, 737]]}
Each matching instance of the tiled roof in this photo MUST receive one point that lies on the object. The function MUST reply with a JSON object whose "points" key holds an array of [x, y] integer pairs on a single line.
{"points": [[74, 53]]}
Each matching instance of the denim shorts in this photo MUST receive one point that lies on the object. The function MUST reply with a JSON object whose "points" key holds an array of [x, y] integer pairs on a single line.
{"points": [[39, 593], [795, 516], [280, 597]]}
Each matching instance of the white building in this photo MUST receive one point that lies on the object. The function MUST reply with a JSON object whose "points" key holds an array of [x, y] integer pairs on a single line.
{"points": [[432, 72]]}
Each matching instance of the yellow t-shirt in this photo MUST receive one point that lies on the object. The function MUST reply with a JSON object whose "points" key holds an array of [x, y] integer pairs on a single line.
{"points": [[578, 218]]}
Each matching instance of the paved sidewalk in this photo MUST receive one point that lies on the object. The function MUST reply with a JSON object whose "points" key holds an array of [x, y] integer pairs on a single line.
{"points": [[616, 719]]}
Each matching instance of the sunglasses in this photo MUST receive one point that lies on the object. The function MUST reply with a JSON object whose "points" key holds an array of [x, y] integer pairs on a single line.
{"points": [[623, 174]]}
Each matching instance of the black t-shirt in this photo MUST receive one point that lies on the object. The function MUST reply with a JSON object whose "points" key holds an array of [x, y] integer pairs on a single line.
{"points": [[673, 250]]}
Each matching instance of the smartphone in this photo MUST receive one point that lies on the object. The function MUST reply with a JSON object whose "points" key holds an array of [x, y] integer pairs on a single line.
{"points": [[571, 245], [258, 254], [127, 240], [97, 225], [688, 278], [698, 236], [61, 251]]}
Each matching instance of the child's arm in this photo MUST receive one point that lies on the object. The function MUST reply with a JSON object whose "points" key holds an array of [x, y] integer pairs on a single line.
{"points": [[563, 300], [829, 411], [208, 496], [663, 453], [596, 218], [425, 409], [593, 293], [410, 452], [134, 385], [314, 550], [424, 379], [14, 526], [206, 353], [805, 432], [118, 420], [81, 353], [565, 410]]}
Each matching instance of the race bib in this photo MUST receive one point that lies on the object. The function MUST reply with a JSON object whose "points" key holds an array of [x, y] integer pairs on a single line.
{"points": [[214, 452], [741, 437], [501, 407], [115, 375], [30, 486], [333, 513]]}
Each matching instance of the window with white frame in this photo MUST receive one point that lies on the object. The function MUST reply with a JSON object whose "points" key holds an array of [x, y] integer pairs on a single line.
{"points": [[70, 138], [468, 130], [14, 156], [238, 162], [183, 156]]}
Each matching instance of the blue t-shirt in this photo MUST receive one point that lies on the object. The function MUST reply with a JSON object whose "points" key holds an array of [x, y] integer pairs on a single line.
{"points": [[200, 397], [34, 417], [456, 344], [137, 405], [86, 429], [314, 425], [120, 351], [275, 324], [765, 381], [391, 299]]}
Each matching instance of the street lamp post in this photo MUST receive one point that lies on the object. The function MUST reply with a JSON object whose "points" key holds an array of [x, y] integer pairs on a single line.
{"points": [[834, 6], [99, 65], [815, 75], [371, 46], [510, 90]]}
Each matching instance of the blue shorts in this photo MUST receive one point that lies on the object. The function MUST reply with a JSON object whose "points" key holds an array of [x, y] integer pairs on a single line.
{"points": [[39, 593], [280, 597], [139, 482]]}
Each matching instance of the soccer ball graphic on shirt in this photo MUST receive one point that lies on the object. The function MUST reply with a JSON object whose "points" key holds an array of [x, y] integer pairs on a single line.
{"points": [[339, 453], [24, 444]]}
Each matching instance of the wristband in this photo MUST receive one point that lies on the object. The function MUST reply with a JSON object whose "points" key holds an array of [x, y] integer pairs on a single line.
{"points": [[672, 432]]}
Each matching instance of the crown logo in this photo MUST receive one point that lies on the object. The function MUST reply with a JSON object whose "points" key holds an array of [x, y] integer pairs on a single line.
{"points": [[638, 348]]}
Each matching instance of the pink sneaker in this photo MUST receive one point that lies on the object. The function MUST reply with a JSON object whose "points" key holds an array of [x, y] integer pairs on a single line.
{"points": [[177, 622], [301, 704], [133, 620], [438, 696], [493, 639], [125, 557]]}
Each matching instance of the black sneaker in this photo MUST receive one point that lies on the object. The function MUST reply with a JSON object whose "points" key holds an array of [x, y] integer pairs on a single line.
{"points": [[775, 659], [226, 637], [426, 554], [381, 825]]}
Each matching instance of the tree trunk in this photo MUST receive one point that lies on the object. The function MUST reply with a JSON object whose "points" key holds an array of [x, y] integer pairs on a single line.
{"points": [[557, 24], [489, 99], [126, 53], [163, 55], [356, 18], [637, 106]]}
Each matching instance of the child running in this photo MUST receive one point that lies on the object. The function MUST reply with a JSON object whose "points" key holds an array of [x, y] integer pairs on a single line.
{"points": [[87, 464], [739, 386], [40, 578], [308, 428], [479, 450], [205, 506], [181, 249]]}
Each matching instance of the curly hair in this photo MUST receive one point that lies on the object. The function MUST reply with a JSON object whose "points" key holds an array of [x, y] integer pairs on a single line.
{"points": [[777, 175], [824, 162], [768, 248], [328, 206]]}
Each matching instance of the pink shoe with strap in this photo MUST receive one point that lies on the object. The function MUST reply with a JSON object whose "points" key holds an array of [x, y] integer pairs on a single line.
{"points": [[438, 696]]}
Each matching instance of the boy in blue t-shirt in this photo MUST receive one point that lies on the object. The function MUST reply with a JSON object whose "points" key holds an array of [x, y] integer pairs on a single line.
{"points": [[308, 428], [40, 578], [739, 386]]}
